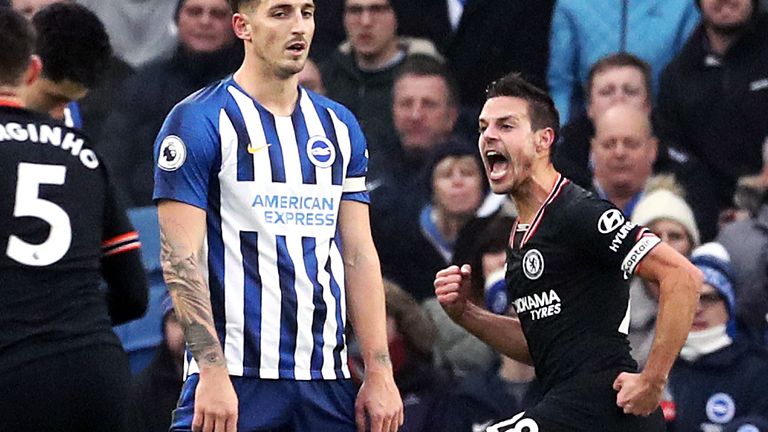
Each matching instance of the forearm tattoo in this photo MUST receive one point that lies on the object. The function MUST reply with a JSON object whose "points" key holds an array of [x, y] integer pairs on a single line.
{"points": [[191, 300], [382, 358]]}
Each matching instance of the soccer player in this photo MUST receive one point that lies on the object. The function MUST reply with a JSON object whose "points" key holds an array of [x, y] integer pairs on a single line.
{"points": [[61, 231], [568, 263], [263, 214], [74, 48]]}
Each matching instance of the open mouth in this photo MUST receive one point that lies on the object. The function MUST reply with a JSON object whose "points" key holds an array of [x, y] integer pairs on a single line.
{"points": [[497, 164], [297, 47]]}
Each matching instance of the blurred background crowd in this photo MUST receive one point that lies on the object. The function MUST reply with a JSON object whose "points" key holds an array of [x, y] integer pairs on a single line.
{"points": [[664, 107]]}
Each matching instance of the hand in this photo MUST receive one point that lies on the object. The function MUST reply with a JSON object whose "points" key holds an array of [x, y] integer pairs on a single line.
{"points": [[452, 288], [379, 398], [637, 395], [215, 402]]}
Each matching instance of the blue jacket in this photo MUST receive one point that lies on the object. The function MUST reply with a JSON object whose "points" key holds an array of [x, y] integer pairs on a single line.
{"points": [[584, 31], [720, 387]]}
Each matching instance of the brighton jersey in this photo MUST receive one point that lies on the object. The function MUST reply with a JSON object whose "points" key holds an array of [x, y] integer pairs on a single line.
{"points": [[567, 273], [271, 187]]}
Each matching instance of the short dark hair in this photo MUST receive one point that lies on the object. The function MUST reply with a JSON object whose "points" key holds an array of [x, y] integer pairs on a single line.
{"points": [[541, 109], [425, 65], [235, 4], [622, 59], [72, 43], [16, 46]]}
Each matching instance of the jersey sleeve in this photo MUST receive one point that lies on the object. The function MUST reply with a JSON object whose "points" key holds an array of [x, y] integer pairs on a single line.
{"points": [[600, 230], [354, 182], [184, 155], [118, 235]]}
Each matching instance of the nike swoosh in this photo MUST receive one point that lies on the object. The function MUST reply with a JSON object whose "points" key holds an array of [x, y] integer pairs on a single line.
{"points": [[251, 149]]}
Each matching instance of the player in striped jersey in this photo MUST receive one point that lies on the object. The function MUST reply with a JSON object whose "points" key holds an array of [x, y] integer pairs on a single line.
{"points": [[266, 244], [61, 231]]}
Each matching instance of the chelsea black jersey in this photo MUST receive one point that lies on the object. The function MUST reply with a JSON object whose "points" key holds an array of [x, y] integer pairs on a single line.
{"points": [[568, 275]]}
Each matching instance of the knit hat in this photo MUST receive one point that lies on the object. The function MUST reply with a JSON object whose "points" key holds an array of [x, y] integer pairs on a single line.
{"points": [[661, 202], [715, 262]]}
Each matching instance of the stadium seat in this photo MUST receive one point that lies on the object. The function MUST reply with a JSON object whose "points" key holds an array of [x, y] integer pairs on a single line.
{"points": [[142, 336]]}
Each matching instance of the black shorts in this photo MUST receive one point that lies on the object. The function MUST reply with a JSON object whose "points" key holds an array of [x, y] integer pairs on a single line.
{"points": [[583, 403], [82, 390]]}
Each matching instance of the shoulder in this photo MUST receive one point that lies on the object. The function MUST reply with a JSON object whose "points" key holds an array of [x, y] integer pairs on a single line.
{"points": [[204, 104]]}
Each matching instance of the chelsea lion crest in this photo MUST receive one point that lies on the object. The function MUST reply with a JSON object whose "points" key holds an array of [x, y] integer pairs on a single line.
{"points": [[533, 264]]}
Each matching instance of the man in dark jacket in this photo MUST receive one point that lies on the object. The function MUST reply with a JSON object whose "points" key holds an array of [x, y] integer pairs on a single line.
{"points": [[206, 52], [713, 99]]}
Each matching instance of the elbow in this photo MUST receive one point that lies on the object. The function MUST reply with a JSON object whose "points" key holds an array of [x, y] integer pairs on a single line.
{"points": [[130, 306]]}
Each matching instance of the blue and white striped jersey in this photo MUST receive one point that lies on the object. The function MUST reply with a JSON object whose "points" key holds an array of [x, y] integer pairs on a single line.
{"points": [[271, 187]]}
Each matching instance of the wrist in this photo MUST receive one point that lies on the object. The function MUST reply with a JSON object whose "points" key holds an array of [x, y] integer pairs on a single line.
{"points": [[213, 372], [655, 379]]}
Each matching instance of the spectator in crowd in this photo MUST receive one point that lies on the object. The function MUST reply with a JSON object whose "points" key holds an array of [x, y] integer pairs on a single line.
{"points": [[626, 79], [74, 48], [310, 78], [425, 112], [585, 31], [666, 213], [483, 40], [621, 78], [424, 245], [63, 233], [155, 391], [361, 72], [424, 109], [88, 113], [717, 377], [142, 31], [623, 151], [713, 98], [411, 337], [747, 244], [206, 52], [482, 242]]}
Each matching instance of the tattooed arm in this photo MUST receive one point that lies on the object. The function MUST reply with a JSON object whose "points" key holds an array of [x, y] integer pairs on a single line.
{"points": [[378, 397], [182, 230]]}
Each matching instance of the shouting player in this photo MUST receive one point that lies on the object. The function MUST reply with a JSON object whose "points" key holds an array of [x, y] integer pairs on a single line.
{"points": [[568, 263]]}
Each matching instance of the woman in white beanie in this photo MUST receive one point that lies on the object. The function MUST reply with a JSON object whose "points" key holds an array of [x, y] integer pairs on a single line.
{"points": [[664, 211]]}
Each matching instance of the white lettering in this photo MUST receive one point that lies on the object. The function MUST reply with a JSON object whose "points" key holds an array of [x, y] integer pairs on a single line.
{"points": [[47, 134], [16, 132], [70, 143], [89, 159], [50, 135], [621, 235], [638, 252]]}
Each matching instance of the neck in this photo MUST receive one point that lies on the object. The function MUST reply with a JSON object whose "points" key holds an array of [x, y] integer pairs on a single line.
{"points": [[377, 61], [720, 42], [10, 96], [530, 196], [277, 94], [449, 225]]}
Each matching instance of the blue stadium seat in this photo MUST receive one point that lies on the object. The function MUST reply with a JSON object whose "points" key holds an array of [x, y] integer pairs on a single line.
{"points": [[141, 337]]}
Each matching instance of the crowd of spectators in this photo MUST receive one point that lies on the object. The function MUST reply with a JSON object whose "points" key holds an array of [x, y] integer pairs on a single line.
{"points": [[664, 107]]}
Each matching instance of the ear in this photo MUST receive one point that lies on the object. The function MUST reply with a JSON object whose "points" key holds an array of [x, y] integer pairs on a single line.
{"points": [[34, 70], [242, 26], [545, 139]]}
